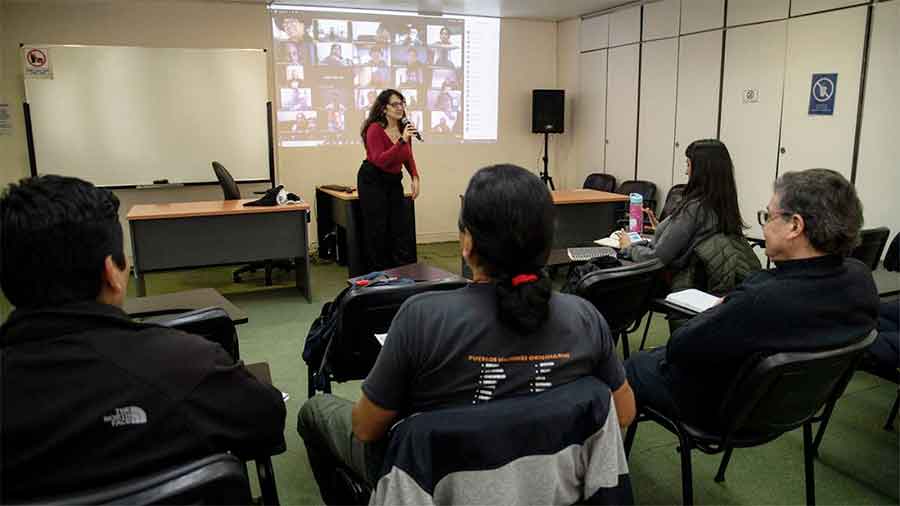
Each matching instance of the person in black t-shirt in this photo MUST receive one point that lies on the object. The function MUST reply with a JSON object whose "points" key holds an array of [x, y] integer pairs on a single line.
{"points": [[91, 397], [505, 334]]}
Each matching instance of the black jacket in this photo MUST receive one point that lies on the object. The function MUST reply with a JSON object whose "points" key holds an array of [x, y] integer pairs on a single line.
{"points": [[801, 305], [90, 397]]}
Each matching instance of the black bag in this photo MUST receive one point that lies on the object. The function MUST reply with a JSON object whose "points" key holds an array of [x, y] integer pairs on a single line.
{"points": [[320, 333], [576, 272]]}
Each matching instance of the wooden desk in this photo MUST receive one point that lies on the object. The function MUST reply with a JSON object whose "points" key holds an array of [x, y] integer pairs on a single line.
{"points": [[585, 215], [222, 232], [340, 213], [181, 302]]}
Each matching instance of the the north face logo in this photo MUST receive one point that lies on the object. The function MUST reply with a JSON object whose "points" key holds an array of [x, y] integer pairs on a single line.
{"points": [[129, 415]]}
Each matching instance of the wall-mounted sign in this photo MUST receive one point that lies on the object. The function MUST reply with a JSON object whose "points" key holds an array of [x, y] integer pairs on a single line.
{"points": [[750, 96], [37, 63], [822, 93]]}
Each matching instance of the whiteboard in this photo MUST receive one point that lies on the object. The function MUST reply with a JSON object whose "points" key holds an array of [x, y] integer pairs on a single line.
{"points": [[126, 116]]}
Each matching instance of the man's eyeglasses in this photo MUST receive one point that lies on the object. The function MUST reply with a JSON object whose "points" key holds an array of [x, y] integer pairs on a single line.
{"points": [[764, 216]]}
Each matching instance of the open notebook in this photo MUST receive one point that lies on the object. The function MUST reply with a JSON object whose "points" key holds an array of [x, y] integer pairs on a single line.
{"points": [[693, 299], [613, 240]]}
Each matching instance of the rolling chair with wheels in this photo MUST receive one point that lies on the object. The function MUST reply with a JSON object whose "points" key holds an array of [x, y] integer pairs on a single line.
{"points": [[770, 395], [232, 192]]}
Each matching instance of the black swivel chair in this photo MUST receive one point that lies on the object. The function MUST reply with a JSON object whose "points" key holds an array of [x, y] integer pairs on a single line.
{"points": [[770, 396], [871, 246], [601, 182], [217, 479], [622, 295], [232, 192], [363, 312]]}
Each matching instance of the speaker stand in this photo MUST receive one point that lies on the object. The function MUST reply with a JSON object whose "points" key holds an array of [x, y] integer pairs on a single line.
{"points": [[545, 175]]}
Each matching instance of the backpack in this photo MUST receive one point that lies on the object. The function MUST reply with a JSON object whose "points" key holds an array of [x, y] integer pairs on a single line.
{"points": [[321, 332]]}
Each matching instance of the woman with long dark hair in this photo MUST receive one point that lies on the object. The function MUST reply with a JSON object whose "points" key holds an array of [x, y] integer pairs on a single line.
{"points": [[709, 206], [507, 324], [388, 149]]}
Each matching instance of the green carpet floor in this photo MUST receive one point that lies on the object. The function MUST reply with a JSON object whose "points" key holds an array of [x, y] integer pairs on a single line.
{"points": [[858, 463]]}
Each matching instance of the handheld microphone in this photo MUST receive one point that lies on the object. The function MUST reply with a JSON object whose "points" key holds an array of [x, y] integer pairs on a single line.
{"points": [[405, 121]]}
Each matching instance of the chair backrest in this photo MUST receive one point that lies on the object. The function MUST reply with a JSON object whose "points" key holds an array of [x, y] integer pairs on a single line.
{"points": [[229, 187], [673, 198], [871, 246], [602, 182], [217, 479], [621, 294], [780, 392], [212, 323], [517, 450], [647, 189], [892, 257], [364, 312]]}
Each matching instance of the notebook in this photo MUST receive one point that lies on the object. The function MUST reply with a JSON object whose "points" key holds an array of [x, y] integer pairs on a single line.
{"points": [[693, 300], [613, 240]]}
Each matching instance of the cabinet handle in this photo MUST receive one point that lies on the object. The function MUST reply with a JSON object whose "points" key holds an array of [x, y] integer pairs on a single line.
{"points": [[676, 144], [782, 150]]}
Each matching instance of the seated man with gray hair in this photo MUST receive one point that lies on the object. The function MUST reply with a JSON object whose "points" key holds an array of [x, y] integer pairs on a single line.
{"points": [[814, 299]]}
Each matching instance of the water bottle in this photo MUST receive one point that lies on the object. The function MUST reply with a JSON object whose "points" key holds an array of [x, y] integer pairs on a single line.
{"points": [[635, 213]]}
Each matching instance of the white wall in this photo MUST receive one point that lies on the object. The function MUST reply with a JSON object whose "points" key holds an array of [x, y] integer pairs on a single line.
{"points": [[878, 171], [771, 53], [528, 60]]}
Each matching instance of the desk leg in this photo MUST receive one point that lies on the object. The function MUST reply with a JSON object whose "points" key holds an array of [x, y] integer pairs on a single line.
{"points": [[267, 481], [141, 285], [301, 269]]}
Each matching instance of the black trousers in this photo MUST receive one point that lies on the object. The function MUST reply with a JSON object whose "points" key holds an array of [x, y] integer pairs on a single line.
{"points": [[385, 228]]}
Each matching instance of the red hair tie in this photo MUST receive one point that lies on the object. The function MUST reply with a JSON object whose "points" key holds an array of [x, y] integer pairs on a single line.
{"points": [[523, 278]]}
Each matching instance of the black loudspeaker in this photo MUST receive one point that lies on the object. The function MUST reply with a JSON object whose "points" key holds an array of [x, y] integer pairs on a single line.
{"points": [[548, 109]]}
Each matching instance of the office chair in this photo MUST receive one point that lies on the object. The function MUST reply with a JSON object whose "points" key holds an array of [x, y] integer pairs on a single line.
{"points": [[361, 313], [212, 323], [770, 396], [673, 198], [892, 257], [871, 246], [217, 479], [647, 189], [489, 441], [231, 191], [622, 295], [601, 182]]}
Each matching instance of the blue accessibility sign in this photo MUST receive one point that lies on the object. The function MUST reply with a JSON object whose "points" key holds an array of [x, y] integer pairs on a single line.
{"points": [[822, 93]]}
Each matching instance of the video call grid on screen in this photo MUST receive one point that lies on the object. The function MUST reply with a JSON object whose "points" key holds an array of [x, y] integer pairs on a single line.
{"points": [[330, 66]]}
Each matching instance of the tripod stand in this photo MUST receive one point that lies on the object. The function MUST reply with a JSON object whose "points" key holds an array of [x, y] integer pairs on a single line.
{"points": [[545, 176]]}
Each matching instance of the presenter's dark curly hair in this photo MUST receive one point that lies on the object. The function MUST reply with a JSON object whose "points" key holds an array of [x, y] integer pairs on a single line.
{"points": [[376, 113]]}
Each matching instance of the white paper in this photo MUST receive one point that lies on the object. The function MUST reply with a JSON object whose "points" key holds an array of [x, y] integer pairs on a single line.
{"points": [[381, 338], [693, 299]]}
